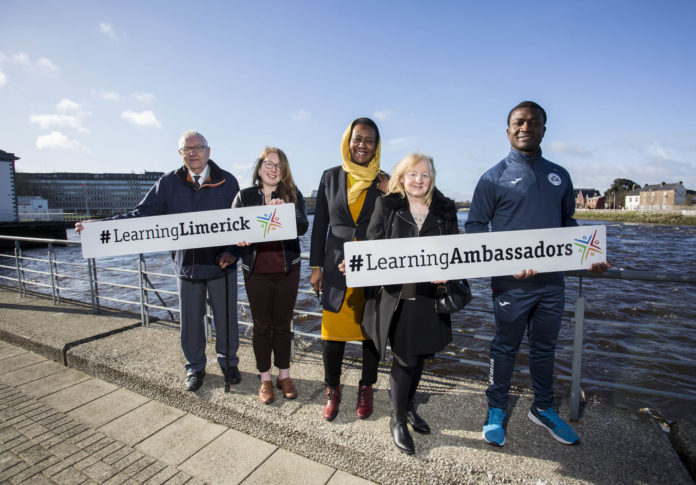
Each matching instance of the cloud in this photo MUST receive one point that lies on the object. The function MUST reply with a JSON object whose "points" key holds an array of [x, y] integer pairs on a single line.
{"points": [[639, 157], [383, 114], [145, 98], [3, 79], [107, 95], [58, 141], [46, 64], [659, 151], [302, 115], [23, 59], [600, 174], [107, 29], [144, 118], [49, 121], [565, 148], [65, 105]]}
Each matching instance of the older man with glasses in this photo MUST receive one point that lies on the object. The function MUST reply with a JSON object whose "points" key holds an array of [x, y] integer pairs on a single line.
{"points": [[200, 185]]}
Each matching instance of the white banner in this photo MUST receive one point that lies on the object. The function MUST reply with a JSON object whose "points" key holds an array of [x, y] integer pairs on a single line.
{"points": [[416, 259], [187, 230]]}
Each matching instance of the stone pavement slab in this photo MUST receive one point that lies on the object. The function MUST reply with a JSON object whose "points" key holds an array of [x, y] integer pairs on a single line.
{"points": [[7, 350], [293, 468], [142, 422], [31, 373], [343, 478], [107, 408], [78, 394], [229, 458], [53, 383], [19, 361], [183, 438]]}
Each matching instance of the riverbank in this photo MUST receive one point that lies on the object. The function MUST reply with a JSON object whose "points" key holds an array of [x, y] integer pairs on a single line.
{"points": [[640, 217], [675, 218], [617, 446]]}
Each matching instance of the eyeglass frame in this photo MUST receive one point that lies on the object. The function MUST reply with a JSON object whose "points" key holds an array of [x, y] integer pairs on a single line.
{"points": [[195, 148], [271, 166]]}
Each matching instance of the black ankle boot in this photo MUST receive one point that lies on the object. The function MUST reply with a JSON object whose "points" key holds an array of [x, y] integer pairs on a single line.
{"points": [[417, 423], [402, 438]]}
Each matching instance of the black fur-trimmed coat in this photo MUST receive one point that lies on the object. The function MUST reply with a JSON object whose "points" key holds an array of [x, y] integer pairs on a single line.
{"points": [[392, 219]]}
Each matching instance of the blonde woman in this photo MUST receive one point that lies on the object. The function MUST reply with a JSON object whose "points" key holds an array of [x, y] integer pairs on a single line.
{"points": [[405, 314]]}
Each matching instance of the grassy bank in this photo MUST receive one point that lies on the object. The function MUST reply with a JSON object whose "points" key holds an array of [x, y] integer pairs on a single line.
{"points": [[674, 218]]}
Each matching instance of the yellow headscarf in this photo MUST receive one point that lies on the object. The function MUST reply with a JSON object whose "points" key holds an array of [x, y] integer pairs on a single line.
{"points": [[363, 175]]}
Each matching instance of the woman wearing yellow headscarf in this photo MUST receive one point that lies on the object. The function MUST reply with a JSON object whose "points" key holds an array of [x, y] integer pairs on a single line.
{"points": [[345, 201]]}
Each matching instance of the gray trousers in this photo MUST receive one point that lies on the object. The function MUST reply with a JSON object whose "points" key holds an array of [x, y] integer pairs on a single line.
{"points": [[192, 294]]}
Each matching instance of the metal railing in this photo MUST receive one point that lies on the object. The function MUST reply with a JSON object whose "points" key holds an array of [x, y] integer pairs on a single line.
{"points": [[56, 278]]}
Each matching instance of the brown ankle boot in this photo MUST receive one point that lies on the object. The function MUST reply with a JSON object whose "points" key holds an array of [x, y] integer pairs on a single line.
{"points": [[333, 397], [364, 409]]}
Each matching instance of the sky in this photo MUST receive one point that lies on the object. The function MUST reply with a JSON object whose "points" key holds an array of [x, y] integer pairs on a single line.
{"points": [[99, 86]]}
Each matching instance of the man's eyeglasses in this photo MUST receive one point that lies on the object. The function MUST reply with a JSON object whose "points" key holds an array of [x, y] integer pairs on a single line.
{"points": [[195, 148], [270, 165]]}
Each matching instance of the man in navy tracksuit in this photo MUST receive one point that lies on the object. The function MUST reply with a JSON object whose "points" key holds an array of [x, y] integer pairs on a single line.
{"points": [[199, 185], [525, 191]]}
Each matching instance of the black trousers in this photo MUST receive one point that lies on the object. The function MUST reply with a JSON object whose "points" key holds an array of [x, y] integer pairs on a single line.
{"points": [[403, 382], [333, 360], [272, 300]]}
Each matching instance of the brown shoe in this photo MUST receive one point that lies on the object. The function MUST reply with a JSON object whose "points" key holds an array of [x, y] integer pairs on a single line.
{"points": [[333, 397], [266, 392], [288, 387], [364, 409]]}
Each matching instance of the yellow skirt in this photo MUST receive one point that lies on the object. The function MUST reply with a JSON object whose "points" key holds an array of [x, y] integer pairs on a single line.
{"points": [[344, 326]]}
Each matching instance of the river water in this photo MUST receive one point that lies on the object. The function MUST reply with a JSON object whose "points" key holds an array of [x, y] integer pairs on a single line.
{"points": [[651, 326]]}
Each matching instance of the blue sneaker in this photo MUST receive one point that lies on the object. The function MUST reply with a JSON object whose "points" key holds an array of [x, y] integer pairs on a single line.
{"points": [[558, 428], [493, 431]]}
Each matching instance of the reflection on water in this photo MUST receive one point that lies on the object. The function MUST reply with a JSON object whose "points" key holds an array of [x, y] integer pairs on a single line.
{"points": [[646, 319]]}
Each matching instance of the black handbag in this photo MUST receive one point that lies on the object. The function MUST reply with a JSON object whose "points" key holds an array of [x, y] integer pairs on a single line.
{"points": [[452, 296]]}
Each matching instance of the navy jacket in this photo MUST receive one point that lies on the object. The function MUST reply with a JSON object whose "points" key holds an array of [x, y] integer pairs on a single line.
{"points": [[252, 196], [175, 193], [523, 193]]}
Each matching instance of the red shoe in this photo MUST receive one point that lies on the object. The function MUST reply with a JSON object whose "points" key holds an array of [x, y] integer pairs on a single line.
{"points": [[333, 397], [364, 409]]}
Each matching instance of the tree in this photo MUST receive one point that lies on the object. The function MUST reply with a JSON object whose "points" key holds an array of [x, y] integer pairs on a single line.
{"points": [[616, 194]]}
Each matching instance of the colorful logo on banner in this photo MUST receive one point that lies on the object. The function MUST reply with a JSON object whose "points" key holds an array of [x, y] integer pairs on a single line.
{"points": [[588, 245], [269, 222]]}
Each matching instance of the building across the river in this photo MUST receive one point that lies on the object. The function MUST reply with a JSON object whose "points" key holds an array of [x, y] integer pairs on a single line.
{"points": [[665, 196], [8, 197], [97, 194]]}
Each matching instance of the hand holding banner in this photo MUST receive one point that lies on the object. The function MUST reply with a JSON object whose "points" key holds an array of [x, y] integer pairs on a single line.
{"points": [[416, 259], [187, 230]]}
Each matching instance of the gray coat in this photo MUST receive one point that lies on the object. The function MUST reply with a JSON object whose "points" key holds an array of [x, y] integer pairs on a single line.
{"points": [[392, 219]]}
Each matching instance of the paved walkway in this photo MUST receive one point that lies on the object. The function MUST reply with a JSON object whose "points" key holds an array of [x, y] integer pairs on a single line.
{"points": [[61, 426], [118, 412]]}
